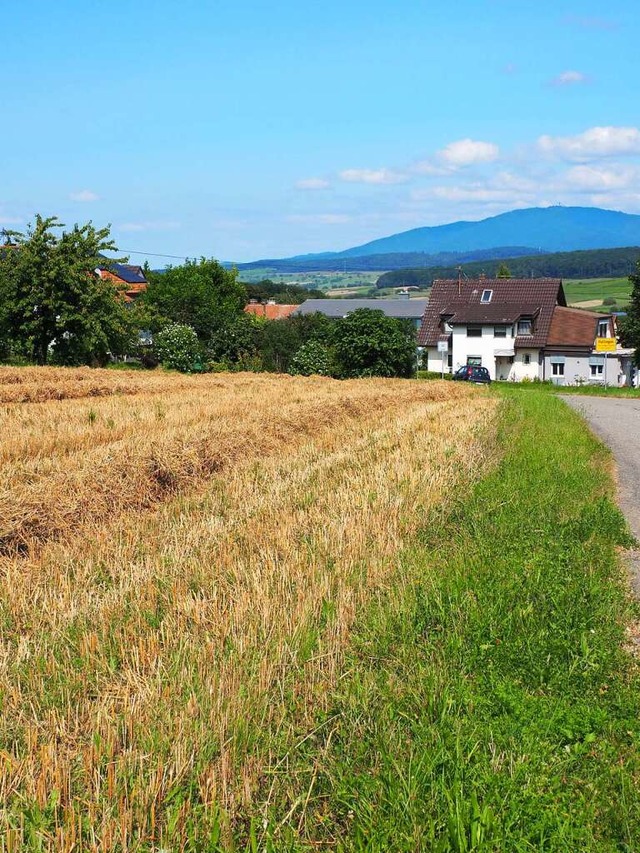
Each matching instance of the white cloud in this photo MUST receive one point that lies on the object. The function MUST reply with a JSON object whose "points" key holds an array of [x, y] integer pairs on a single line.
{"points": [[10, 220], [427, 167], [473, 192], [372, 176], [84, 195], [468, 152], [312, 184], [569, 78], [595, 179], [594, 143], [504, 188]]}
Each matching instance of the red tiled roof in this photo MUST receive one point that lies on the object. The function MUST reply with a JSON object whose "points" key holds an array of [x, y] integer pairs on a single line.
{"points": [[531, 297], [574, 327], [269, 311]]}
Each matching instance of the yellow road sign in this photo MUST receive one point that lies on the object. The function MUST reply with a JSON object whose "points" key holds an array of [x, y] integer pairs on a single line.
{"points": [[605, 344]]}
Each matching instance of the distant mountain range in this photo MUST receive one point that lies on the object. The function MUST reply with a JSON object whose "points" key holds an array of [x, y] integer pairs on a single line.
{"points": [[536, 230]]}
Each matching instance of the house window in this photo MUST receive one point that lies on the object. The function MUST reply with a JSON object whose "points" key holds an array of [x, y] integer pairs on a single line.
{"points": [[603, 328], [499, 331], [525, 327], [486, 296], [526, 358], [450, 360], [474, 331], [557, 369], [474, 361], [596, 370]]}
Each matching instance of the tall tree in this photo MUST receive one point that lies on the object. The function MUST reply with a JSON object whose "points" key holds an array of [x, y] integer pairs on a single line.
{"points": [[201, 294], [630, 325], [367, 343], [52, 305], [503, 271]]}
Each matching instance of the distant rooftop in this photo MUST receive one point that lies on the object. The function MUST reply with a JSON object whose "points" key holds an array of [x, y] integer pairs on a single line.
{"points": [[269, 310], [401, 309]]}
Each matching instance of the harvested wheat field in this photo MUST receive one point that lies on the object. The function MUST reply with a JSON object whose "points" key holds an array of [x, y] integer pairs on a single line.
{"points": [[181, 562]]}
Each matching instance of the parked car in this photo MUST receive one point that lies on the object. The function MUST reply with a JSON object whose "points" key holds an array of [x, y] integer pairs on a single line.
{"points": [[471, 373]]}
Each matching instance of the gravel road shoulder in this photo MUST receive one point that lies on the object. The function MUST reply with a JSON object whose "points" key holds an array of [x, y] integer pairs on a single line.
{"points": [[617, 422]]}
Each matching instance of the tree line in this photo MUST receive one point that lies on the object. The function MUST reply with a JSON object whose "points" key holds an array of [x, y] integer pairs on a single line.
{"points": [[592, 263], [55, 309]]}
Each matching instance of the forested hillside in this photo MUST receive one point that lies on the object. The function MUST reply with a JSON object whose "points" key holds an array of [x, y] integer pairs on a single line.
{"points": [[595, 263]]}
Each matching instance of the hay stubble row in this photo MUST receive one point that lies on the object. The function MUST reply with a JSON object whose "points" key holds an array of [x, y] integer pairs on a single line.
{"points": [[159, 645]]}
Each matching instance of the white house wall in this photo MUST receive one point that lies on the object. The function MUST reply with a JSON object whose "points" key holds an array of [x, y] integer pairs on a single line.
{"points": [[521, 370], [483, 347], [577, 371]]}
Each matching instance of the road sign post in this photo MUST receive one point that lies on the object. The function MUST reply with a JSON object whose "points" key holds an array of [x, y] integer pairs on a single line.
{"points": [[443, 349], [605, 345]]}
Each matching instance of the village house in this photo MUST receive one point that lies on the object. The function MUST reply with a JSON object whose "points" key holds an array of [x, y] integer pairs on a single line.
{"points": [[128, 279], [519, 329], [269, 310], [402, 308]]}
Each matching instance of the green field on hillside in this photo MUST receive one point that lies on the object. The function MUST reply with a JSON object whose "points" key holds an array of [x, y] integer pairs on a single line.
{"points": [[596, 290], [322, 280]]}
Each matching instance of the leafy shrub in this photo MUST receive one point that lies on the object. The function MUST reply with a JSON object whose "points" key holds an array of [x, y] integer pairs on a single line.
{"points": [[313, 358], [367, 343], [177, 347], [235, 341], [610, 300]]}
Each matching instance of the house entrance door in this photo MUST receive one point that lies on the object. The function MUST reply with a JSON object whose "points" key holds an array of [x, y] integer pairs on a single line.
{"points": [[503, 367]]}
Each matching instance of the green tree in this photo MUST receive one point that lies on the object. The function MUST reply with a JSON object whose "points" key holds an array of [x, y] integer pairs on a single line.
{"points": [[52, 305], [237, 343], [630, 325], [281, 293], [503, 271], [201, 294], [312, 359], [368, 343], [177, 347], [281, 339]]}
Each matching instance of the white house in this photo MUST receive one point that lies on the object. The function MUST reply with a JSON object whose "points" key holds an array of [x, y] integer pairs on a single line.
{"points": [[518, 329]]}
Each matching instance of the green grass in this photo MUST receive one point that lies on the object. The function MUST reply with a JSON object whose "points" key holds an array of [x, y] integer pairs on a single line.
{"points": [[579, 390], [487, 703], [597, 391], [582, 290]]}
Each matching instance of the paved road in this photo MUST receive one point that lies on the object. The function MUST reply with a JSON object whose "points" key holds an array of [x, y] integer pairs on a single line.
{"points": [[617, 422]]}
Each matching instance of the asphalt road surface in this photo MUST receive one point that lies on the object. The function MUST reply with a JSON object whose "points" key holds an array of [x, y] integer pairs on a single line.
{"points": [[617, 422]]}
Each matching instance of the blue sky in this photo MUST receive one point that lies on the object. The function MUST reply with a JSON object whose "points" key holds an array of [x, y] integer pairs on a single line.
{"points": [[248, 130]]}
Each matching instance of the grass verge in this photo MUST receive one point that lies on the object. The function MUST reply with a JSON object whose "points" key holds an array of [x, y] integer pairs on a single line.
{"points": [[487, 702]]}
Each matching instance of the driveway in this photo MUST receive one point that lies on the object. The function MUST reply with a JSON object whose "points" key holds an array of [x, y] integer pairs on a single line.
{"points": [[617, 422]]}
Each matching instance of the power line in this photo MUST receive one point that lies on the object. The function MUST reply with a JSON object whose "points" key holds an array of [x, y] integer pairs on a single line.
{"points": [[154, 254]]}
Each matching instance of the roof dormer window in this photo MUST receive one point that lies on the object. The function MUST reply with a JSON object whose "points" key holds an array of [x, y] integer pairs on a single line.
{"points": [[486, 296], [525, 326]]}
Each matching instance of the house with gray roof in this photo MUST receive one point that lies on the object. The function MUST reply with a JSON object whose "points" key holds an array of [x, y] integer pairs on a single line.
{"points": [[400, 309]]}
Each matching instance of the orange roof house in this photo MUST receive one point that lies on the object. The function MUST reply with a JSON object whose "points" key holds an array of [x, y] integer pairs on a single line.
{"points": [[129, 279], [269, 310]]}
